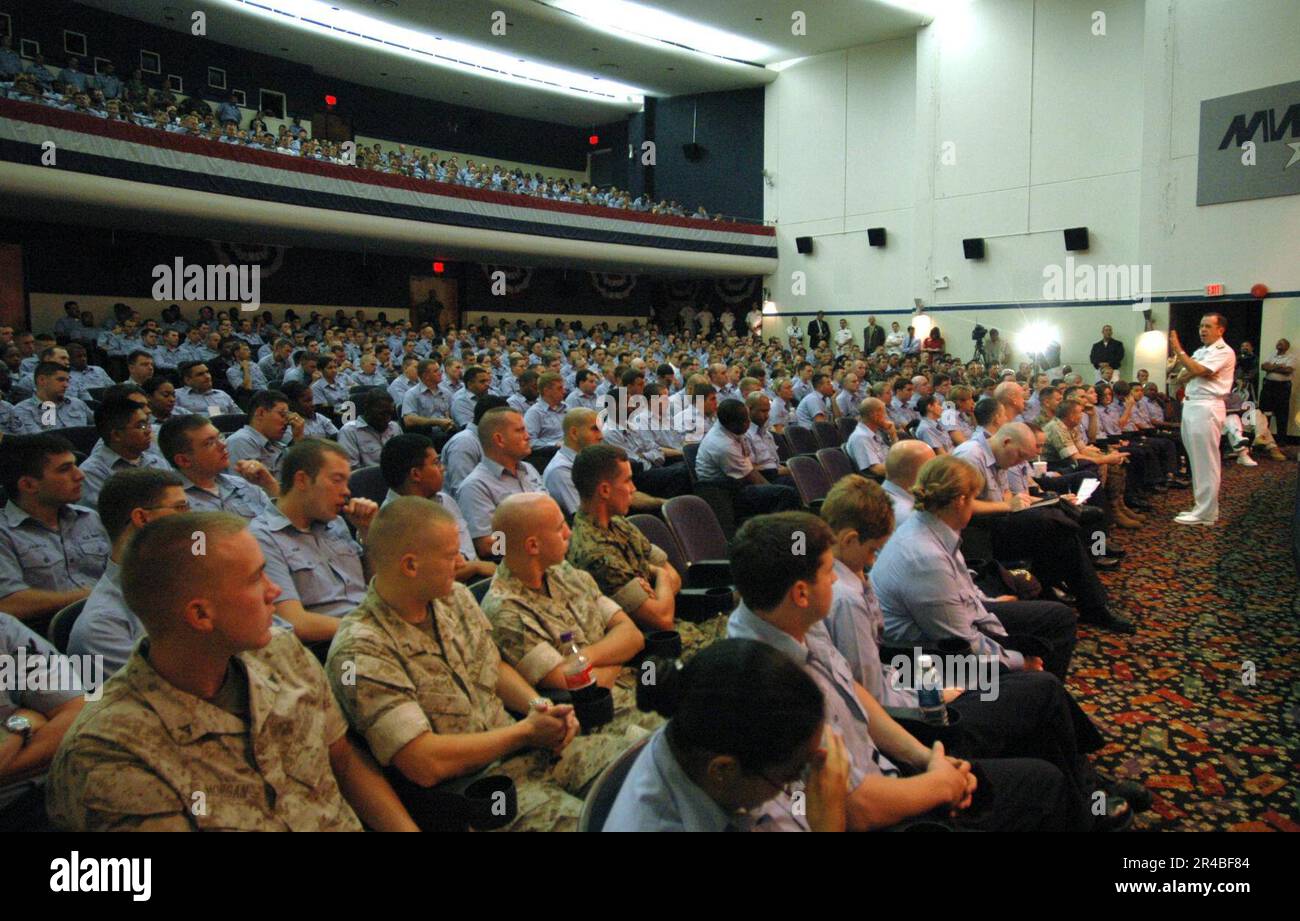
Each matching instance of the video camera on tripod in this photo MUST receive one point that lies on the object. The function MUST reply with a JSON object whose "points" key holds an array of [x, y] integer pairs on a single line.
{"points": [[977, 334]]}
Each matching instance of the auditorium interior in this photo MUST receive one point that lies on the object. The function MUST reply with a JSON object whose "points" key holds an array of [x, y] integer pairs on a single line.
{"points": [[581, 415]]}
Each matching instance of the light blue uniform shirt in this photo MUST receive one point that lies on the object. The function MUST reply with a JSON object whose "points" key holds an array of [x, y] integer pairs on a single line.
{"points": [[976, 452], [88, 377], [933, 434], [399, 387], [187, 398], [250, 444], [902, 501], [487, 485], [419, 400], [809, 407], [545, 424], [319, 426], [865, 447], [579, 400], [658, 796], [762, 447], [462, 406], [29, 415], [900, 413], [363, 444], [106, 626], [235, 374], [103, 462], [229, 493], [844, 711], [460, 455], [319, 568], [856, 626], [723, 455], [32, 556], [558, 480], [13, 635], [927, 593], [327, 394]]}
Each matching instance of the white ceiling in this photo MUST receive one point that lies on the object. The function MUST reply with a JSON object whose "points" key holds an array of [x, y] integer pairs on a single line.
{"points": [[539, 33]]}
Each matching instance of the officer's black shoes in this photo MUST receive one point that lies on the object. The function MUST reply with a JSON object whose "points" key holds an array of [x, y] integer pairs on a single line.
{"points": [[1108, 621], [1105, 563]]}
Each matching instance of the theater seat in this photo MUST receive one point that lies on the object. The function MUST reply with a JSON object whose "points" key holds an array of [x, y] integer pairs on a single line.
{"points": [[83, 437], [810, 479], [541, 457], [229, 422], [703, 542], [60, 628], [828, 436], [659, 534], [802, 440], [835, 463], [368, 483], [845, 426], [605, 789]]}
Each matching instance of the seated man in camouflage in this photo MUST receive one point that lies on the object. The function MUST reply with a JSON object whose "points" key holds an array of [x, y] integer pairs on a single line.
{"points": [[217, 721], [537, 597], [628, 569], [418, 676]]}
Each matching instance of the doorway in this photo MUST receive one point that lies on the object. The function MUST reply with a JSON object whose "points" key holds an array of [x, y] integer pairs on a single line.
{"points": [[1244, 322], [331, 126]]}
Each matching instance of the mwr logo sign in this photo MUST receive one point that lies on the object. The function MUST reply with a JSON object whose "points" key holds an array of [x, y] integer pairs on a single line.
{"points": [[1250, 145]]}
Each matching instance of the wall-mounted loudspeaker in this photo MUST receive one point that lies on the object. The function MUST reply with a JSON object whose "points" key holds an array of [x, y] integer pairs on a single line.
{"points": [[876, 236], [973, 247], [1076, 239], [803, 244], [693, 152]]}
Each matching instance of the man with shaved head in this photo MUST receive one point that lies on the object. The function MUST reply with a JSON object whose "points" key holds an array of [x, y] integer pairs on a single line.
{"points": [[1048, 537], [869, 444], [537, 597], [217, 721], [419, 677], [1012, 397], [903, 463]]}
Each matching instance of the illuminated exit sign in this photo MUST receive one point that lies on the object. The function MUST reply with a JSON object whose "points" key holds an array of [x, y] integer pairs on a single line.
{"points": [[1214, 290]]}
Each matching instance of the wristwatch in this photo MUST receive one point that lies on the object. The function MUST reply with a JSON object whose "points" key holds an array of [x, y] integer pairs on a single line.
{"points": [[20, 726]]}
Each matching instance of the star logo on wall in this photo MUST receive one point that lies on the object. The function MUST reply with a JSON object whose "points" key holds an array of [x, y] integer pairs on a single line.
{"points": [[1295, 154]]}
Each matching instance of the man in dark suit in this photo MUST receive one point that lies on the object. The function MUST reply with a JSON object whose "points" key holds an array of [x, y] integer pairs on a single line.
{"points": [[873, 336], [819, 330], [1107, 350]]}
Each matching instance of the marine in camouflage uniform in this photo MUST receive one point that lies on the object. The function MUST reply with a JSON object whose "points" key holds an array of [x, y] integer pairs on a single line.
{"points": [[527, 625], [151, 757], [618, 558], [396, 681]]}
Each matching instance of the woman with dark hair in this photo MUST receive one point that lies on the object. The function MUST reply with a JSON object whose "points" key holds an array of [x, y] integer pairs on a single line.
{"points": [[161, 393], [928, 429], [745, 722]]}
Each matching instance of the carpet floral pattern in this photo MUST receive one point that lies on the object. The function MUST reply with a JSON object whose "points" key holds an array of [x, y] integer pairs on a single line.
{"points": [[1203, 704]]}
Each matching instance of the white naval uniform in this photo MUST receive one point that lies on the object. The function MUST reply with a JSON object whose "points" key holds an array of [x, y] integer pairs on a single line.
{"points": [[1202, 423]]}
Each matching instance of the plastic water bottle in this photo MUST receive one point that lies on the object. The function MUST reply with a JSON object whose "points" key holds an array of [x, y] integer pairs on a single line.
{"points": [[930, 693], [577, 668]]}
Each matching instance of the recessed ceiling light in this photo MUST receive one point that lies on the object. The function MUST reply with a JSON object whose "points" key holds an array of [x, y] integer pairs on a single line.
{"points": [[383, 73], [369, 31], [649, 24]]}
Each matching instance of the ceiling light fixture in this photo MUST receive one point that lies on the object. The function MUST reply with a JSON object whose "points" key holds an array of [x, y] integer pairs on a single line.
{"points": [[369, 31], [649, 25]]}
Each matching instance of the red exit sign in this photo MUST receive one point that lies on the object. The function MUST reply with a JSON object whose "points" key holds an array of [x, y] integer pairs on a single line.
{"points": [[1214, 290]]}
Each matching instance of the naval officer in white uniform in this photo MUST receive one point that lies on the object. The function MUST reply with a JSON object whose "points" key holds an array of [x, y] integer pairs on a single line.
{"points": [[1208, 376]]}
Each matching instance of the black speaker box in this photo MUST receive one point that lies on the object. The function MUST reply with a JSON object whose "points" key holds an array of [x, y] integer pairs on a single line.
{"points": [[1076, 239], [803, 244], [973, 247], [693, 152], [876, 236]]}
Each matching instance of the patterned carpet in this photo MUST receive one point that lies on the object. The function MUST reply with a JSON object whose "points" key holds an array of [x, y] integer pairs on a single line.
{"points": [[1203, 705]]}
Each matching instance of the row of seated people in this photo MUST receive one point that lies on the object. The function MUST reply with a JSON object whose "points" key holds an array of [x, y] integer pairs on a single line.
{"points": [[438, 690], [106, 96]]}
